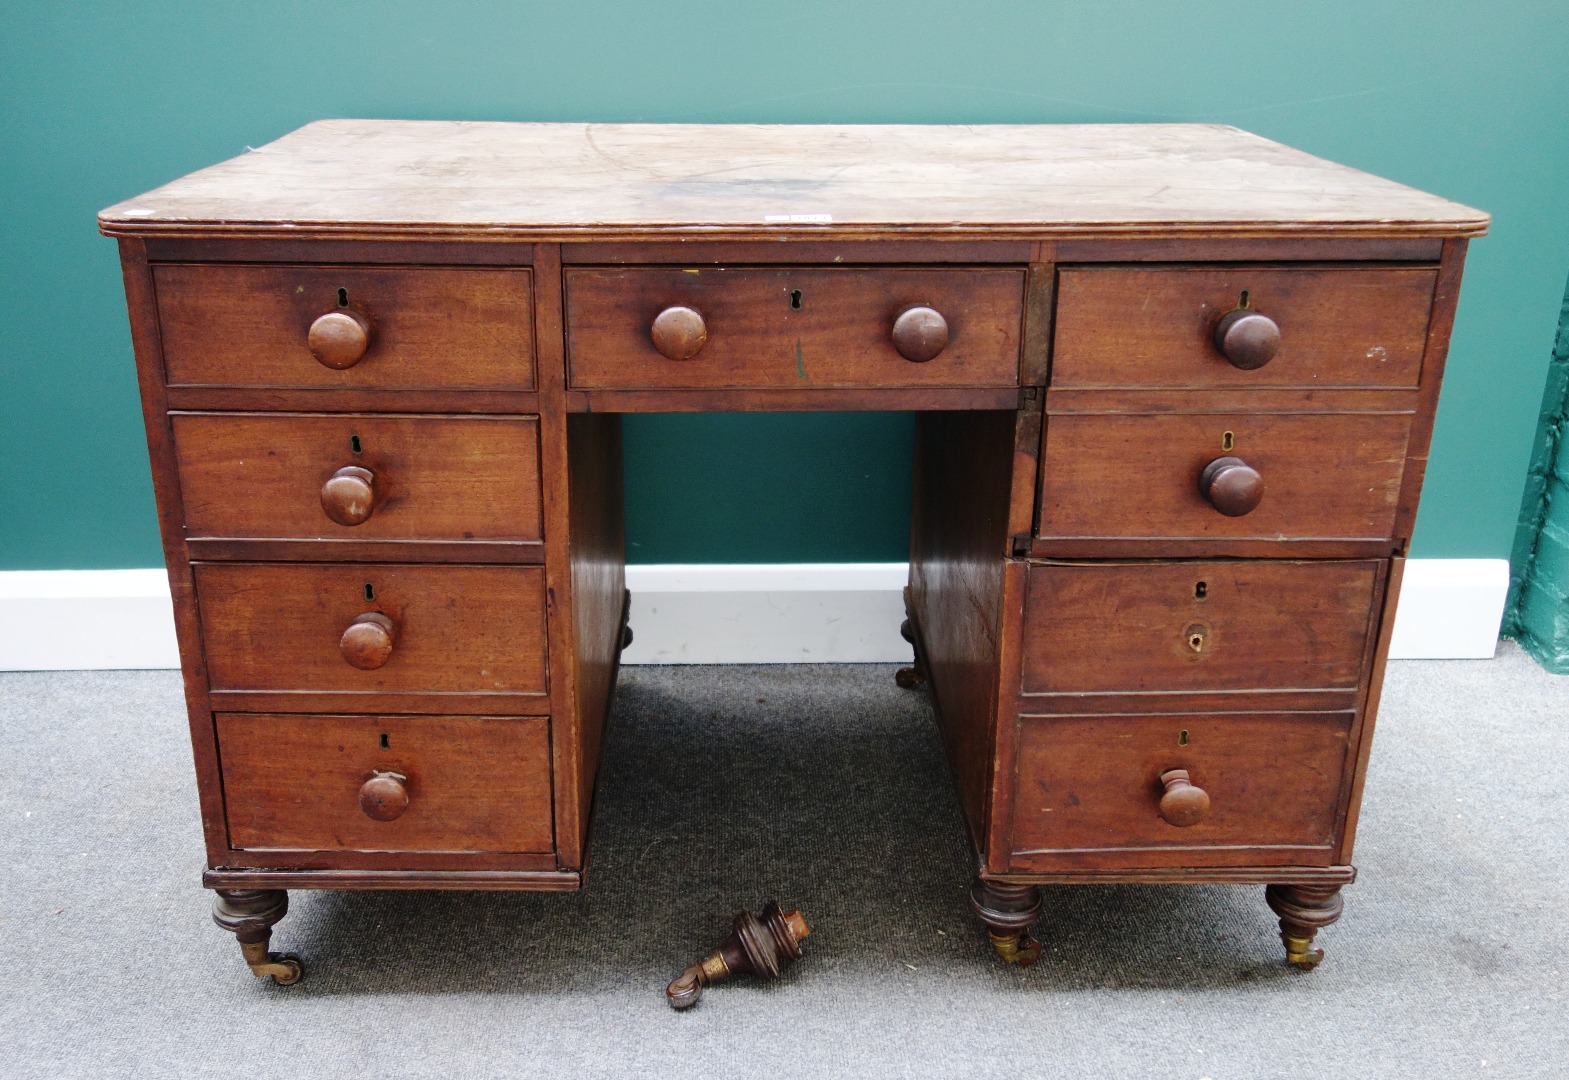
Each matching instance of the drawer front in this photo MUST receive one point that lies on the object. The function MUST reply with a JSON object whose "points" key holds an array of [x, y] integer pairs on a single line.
{"points": [[426, 328], [1089, 789], [290, 475], [453, 629], [1198, 626], [1155, 327], [1326, 476], [791, 329], [436, 783]]}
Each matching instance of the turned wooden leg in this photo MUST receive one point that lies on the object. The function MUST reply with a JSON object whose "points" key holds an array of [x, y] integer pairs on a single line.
{"points": [[761, 945], [1304, 910], [1008, 912], [249, 914], [915, 675]]}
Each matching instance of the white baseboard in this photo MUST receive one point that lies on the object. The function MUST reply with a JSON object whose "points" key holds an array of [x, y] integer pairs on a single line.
{"points": [[1450, 609], [54, 620], [792, 613], [690, 614]]}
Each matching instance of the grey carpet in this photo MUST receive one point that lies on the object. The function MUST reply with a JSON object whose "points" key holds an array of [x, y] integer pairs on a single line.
{"points": [[830, 793]]}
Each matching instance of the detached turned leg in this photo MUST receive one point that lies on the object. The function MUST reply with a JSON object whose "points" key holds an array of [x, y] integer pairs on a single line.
{"points": [[249, 914], [1304, 910], [1008, 912], [915, 675]]}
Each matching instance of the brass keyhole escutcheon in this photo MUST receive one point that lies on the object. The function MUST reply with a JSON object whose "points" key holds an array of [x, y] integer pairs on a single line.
{"points": [[1197, 637], [1228, 441]]}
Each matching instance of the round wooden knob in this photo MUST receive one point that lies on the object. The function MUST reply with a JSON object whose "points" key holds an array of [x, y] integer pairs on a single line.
{"points": [[367, 643], [385, 796], [1183, 803], [679, 333], [920, 333], [349, 495], [339, 338], [1247, 339], [1232, 486]]}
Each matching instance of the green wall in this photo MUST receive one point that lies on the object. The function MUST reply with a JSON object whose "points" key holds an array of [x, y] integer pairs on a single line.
{"points": [[104, 100]]}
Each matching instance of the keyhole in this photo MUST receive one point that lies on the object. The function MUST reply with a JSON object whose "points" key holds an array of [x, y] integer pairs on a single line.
{"points": [[1182, 739], [1201, 590], [354, 443], [1228, 440], [385, 743], [1242, 299], [343, 298], [795, 300], [370, 591]]}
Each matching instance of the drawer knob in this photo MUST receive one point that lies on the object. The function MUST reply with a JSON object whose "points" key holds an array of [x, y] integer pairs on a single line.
{"points": [[1232, 486], [385, 796], [1247, 339], [679, 332], [1184, 803], [367, 643], [920, 333], [349, 495], [339, 338]]}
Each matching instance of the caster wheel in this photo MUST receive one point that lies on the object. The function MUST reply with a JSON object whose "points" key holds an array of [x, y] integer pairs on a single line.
{"points": [[1307, 961], [910, 678], [291, 970], [1021, 951], [626, 636]]}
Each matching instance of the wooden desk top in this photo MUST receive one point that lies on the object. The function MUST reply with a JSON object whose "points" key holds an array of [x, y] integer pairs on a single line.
{"points": [[407, 180]]}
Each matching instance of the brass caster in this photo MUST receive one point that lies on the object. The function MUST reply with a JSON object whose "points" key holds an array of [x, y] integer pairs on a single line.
{"points": [[1020, 949], [910, 678], [761, 945], [1300, 952], [284, 968]]}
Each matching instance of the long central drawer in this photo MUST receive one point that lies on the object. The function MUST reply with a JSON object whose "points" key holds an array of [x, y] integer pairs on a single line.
{"points": [[791, 329]]}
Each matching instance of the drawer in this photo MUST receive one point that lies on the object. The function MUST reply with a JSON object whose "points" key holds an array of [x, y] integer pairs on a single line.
{"points": [[791, 329], [1221, 625], [1156, 326], [1136, 475], [420, 328], [451, 629], [1089, 790], [352, 477], [393, 783]]}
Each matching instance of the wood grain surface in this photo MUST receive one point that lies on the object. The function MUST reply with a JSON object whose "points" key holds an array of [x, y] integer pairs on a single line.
{"points": [[432, 329], [958, 529], [474, 783], [1266, 625], [1327, 476], [1154, 327], [396, 179], [1089, 789], [793, 329], [455, 478], [473, 629]]}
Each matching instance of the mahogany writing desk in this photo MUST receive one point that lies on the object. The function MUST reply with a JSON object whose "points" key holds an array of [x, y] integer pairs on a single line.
{"points": [[1175, 388]]}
